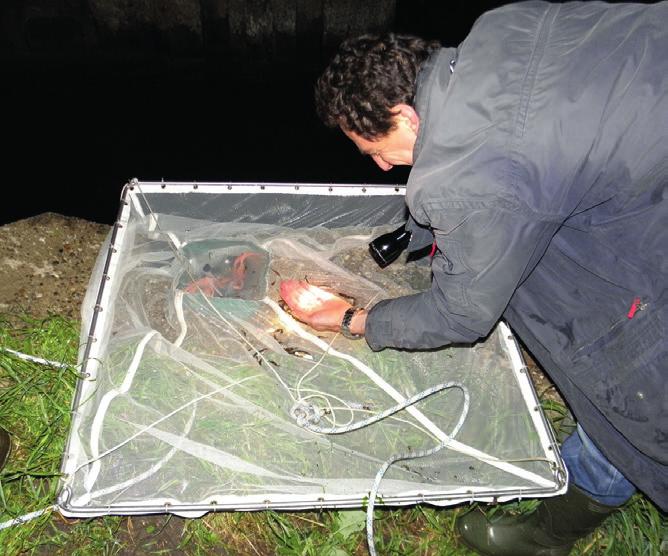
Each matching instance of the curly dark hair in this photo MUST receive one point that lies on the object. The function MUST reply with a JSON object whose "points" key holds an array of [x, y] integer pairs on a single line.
{"points": [[368, 76]]}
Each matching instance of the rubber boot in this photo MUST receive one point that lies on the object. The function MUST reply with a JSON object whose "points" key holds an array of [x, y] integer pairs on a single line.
{"points": [[551, 530], [5, 445]]}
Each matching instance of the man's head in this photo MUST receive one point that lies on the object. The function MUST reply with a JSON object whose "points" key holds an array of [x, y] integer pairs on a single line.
{"points": [[368, 91]]}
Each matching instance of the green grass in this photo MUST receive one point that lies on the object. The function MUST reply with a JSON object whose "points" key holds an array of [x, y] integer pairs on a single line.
{"points": [[34, 407]]}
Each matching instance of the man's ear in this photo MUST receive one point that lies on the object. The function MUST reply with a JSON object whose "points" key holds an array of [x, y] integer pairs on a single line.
{"points": [[406, 113]]}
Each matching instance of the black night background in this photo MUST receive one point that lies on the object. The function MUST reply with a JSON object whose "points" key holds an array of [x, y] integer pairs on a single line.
{"points": [[95, 92]]}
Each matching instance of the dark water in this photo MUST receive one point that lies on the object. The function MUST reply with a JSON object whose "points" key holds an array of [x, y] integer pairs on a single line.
{"points": [[77, 125], [76, 132]]}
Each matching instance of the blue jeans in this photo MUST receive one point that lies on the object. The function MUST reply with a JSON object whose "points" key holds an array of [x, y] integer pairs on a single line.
{"points": [[592, 472]]}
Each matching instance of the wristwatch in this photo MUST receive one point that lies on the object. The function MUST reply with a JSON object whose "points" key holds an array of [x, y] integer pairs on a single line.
{"points": [[345, 323]]}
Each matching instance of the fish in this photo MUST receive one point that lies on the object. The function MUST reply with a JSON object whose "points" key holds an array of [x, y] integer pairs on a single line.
{"points": [[299, 353], [224, 285]]}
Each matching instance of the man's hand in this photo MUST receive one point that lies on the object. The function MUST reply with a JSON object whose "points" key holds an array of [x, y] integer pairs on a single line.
{"points": [[315, 306]]}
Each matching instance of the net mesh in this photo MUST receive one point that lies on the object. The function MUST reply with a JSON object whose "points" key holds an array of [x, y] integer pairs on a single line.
{"points": [[205, 378]]}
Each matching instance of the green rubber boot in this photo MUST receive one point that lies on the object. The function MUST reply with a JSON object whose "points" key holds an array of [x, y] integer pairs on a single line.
{"points": [[5, 446], [549, 531]]}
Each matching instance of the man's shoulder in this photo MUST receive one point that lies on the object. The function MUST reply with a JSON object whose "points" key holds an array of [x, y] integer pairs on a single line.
{"points": [[516, 15]]}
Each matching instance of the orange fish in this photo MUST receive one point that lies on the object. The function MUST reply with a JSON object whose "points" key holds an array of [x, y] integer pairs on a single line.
{"points": [[224, 285]]}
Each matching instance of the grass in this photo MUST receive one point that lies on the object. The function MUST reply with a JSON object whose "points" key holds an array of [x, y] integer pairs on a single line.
{"points": [[34, 407]]}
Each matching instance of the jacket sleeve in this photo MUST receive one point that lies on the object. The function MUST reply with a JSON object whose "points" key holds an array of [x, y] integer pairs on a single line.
{"points": [[483, 255], [421, 236]]}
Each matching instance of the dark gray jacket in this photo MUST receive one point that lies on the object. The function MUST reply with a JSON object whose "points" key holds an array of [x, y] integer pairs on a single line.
{"points": [[541, 166]]}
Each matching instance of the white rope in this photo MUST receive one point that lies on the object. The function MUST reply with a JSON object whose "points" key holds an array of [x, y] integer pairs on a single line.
{"points": [[151, 470], [26, 517], [167, 416], [290, 323], [32, 515], [106, 400], [39, 360], [307, 414], [178, 305]]}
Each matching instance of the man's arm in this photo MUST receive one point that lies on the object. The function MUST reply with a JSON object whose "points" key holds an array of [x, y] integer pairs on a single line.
{"points": [[476, 270]]}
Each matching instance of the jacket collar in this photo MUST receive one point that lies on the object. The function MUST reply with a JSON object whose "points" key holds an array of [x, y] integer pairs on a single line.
{"points": [[439, 66]]}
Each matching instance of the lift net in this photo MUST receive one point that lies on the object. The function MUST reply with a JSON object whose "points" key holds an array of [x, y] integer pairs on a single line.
{"points": [[205, 380]]}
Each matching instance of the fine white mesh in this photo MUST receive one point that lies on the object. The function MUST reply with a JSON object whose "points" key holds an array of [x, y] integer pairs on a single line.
{"points": [[200, 377]]}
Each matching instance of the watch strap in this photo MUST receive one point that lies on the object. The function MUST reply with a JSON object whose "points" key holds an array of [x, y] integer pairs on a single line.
{"points": [[345, 323]]}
